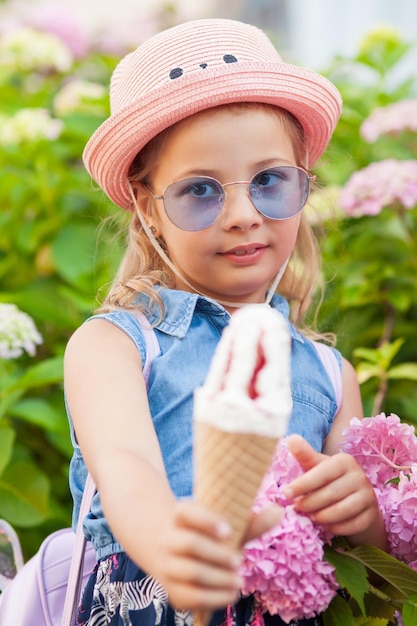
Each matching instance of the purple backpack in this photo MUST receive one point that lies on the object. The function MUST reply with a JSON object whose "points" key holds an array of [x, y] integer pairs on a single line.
{"points": [[45, 591]]}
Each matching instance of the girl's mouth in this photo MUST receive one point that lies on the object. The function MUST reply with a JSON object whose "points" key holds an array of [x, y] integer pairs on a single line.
{"points": [[245, 254]]}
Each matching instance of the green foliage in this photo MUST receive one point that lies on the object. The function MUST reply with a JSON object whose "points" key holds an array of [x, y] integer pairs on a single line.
{"points": [[53, 260], [365, 603], [369, 261]]}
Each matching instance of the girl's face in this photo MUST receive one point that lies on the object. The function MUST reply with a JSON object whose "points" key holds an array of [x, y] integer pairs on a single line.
{"points": [[236, 258]]}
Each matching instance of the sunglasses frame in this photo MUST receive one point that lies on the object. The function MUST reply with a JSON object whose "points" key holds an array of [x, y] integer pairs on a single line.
{"points": [[309, 179]]}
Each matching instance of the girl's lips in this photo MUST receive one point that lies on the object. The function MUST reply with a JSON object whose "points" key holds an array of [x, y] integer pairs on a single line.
{"points": [[245, 254]]}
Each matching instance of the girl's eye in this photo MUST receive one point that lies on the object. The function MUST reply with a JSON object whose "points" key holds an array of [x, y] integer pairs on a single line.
{"points": [[201, 189], [268, 178]]}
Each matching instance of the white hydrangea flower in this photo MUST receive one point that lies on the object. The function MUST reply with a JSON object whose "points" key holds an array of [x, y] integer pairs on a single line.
{"points": [[29, 125], [18, 333], [29, 49], [78, 95]]}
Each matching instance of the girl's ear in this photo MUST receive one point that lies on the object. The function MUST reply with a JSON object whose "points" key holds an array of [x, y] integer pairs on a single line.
{"points": [[143, 199], [143, 205]]}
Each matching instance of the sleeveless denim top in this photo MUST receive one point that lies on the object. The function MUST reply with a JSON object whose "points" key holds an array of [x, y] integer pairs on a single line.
{"points": [[188, 336]]}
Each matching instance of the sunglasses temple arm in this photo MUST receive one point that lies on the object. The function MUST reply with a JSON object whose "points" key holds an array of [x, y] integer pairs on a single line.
{"points": [[276, 282], [155, 242]]}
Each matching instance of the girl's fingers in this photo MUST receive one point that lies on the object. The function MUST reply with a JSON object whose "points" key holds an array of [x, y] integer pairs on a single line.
{"points": [[325, 474], [190, 514], [301, 450], [201, 574], [263, 521], [200, 547], [353, 526]]}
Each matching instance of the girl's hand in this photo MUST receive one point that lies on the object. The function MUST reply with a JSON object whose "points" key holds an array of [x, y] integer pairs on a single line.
{"points": [[195, 562], [335, 492]]}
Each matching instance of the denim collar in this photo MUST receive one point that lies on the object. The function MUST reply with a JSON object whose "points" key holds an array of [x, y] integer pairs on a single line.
{"points": [[181, 305]]}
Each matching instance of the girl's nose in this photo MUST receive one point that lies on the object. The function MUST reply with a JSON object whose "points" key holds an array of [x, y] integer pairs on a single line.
{"points": [[238, 211]]}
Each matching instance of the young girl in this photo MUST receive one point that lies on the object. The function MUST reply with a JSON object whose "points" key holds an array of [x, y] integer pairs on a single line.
{"points": [[209, 146]]}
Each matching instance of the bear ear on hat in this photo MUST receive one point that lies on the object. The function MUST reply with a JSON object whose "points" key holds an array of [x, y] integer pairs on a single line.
{"points": [[193, 67]]}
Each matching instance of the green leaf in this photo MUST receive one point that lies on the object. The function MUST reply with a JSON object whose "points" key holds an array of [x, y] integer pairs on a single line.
{"points": [[409, 611], [365, 372], [24, 492], [40, 412], [399, 575], [338, 613], [367, 354], [403, 370], [74, 251], [7, 437], [44, 373], [371, 621], [351, 575]]}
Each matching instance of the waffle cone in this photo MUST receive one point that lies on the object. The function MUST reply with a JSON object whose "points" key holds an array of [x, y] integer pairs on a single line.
{"points": [[229, 468]]}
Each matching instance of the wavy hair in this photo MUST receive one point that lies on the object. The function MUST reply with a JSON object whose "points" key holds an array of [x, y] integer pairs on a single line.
{"points": [[142, 268]]}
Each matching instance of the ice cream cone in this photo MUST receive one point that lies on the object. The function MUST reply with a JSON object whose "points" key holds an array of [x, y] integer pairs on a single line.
{"points": [[229, 470], [228, 474], [240, 414]]}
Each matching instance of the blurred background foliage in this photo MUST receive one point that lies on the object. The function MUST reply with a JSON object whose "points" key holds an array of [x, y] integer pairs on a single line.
{"points": [[59, 246]]}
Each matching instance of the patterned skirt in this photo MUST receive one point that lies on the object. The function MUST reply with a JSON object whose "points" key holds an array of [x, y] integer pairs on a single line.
{"points": [[118, 593]]}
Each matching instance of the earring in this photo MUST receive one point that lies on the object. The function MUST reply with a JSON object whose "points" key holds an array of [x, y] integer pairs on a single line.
{"points": [[153, 230]]}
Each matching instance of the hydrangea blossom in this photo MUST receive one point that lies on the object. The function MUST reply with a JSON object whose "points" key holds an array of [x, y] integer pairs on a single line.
{"points": [[62, 22], [18, 333], [79, 95], [285, 568], [387, 450], [400, 506], [392, 119], [382, 445], [29, 125], [386, 183], [30, 50]]}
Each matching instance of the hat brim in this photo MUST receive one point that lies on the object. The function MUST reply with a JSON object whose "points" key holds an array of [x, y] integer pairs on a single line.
{"points": [[310, 97]]}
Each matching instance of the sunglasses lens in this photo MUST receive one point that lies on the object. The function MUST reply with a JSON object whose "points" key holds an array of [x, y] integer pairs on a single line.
{"points": [[194, 203], [280, 192]]}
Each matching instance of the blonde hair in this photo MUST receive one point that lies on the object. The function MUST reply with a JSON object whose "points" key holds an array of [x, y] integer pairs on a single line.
{"points": [[142, 267]]}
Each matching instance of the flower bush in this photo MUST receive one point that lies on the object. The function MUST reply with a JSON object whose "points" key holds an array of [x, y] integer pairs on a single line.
{"points": [[293, 571], [52, 262], [18, 333], [370, 264], [59, 242]]}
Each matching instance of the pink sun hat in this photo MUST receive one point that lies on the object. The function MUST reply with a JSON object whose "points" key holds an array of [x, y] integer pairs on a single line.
{"points": [[193, 67]]}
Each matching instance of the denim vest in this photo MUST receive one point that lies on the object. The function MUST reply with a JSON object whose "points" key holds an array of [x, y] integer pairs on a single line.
{"points": [[188, 336]]}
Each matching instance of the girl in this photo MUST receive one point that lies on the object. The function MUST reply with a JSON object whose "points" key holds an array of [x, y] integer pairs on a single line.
{"points": [[208, 145]]}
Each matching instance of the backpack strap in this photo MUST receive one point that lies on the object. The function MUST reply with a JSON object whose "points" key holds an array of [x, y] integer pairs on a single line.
{"points": [[333, 369], [77, 561]]}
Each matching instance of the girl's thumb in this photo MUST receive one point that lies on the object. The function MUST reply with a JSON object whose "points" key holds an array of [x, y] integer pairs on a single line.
{"points": [[301, 450]]}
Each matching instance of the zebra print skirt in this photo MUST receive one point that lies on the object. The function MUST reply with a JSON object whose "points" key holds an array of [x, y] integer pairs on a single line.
{"points": [[118, 593]]}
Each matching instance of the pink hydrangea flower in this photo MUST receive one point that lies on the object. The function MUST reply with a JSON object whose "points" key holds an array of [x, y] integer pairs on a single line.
{"points": [[63, 23], [384, 184], [382, 445], [400, 508], [392, 119], [283, 470], [387, 451], [285, 568]]}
